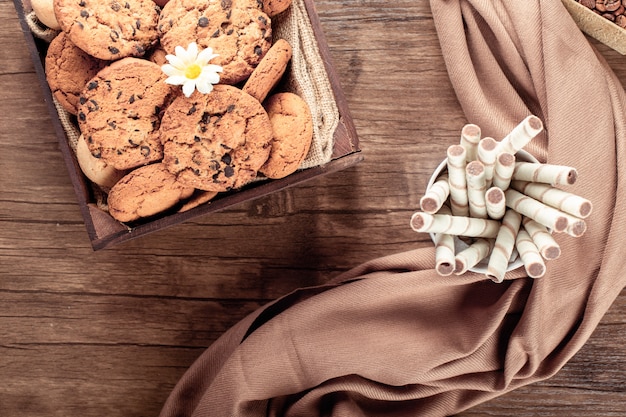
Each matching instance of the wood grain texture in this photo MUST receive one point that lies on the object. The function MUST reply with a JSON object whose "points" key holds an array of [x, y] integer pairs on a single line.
{"points": [[109, 333]]}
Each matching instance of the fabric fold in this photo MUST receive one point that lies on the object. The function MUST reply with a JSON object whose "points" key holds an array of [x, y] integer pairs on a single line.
{"points": [[393, 338]]}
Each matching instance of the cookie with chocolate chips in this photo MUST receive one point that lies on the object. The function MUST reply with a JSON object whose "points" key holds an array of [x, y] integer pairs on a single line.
{"points": [[68, 69], [269, 71], [237, 30], [120, 110], [112, 29], [144, 192], [292, 126], [216, 141]]}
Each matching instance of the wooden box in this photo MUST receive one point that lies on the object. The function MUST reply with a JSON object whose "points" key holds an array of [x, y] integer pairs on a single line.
{"points": [[104, 231], [597, 26]]}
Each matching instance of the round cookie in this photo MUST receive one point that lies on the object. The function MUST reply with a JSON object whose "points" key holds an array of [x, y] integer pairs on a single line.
{"points": [[109, 30], [238, 31], [292, 127], [274, 7], [216, 141], [44, 10], [269, 71], [68, 69], [144, 192], [119, 112], [95, 168]]}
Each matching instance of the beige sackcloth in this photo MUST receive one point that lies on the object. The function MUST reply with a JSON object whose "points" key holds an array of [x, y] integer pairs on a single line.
{"points": [[392, 337]]}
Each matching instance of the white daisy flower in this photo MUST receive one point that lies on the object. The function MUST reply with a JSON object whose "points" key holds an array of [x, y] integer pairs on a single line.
{"points": [[191, 69]]}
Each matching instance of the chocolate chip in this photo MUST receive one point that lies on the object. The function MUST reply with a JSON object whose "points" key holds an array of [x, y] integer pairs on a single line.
{"points": [[192, 110], [258, 50], [230, 31], [133, 144], [226, 4], [84, 13], [145, 150], [114, 50], [216, 34], [81, 116], [112, 124], [229, 171], [119, 94], [116, 7], [197, 138], [131, 100], [206, 117], [95, 107], [215, 165], [263, 20], [127, 6], [97, 154], [79, 24], [203, 22], [114, 35], [82, 4], [140, 49], [226, 158], [92, 85], [82, 100], [230, 108]]}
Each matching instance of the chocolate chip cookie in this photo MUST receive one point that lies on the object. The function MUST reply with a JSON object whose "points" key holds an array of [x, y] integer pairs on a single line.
{"points": [[274, 7], [269, 71], [144, 192], [112, 29], [119, 112], [216, 141], [292, 128], [237, 30], [68, 69]]}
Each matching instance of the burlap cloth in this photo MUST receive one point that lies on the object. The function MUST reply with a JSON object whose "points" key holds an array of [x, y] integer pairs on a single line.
{"points": [[392, 337]]}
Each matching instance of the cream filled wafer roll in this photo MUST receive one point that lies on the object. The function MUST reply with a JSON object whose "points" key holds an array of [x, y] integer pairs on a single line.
{"points": [[495, 202], [454, 225], [456, 180], [575, 227], [487, 154], [470, 136], [546, 173], [503, 247], [436, 195], [521, 135], [472, 255], [476, 186], [548, 247], [503, 170], [444, 254], [536, 210], [557, 198], [529, 254]]}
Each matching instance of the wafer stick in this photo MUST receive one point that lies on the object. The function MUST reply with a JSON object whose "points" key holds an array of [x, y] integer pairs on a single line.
{"points": [[476, 186], [505, 242], [562, 200], [470, 136], [495, 203], [436, 195], [546, 173], [529, 254], [575, 227], [454, 225], [536, 210], [444, 250], [487, 153], [444, 254], [521, 135], [542, 238], [456, 179], [472, 255], [503, 170]]}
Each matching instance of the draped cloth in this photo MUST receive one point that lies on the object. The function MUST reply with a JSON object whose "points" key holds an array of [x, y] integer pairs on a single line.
{"points": [[393, 338]]}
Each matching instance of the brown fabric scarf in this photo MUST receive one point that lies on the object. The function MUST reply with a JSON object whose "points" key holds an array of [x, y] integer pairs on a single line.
{"points": [[393, 338]]}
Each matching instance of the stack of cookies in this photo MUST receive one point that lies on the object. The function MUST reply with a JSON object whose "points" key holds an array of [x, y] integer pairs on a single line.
{"points": [[150, 147]]}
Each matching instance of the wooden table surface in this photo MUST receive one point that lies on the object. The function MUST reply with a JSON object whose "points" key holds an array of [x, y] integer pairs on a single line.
{"points": [[109, 333]]}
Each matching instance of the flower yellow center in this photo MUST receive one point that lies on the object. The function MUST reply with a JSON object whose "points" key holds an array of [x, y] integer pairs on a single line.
{"points": [[193, 71]]}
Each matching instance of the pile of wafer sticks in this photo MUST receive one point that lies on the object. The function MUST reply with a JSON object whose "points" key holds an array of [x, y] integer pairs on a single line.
{"points": [[499, 204]]}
